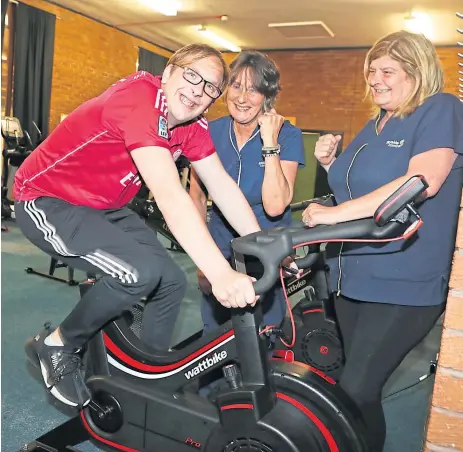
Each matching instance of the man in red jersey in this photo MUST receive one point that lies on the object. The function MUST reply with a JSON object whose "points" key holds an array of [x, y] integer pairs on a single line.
{"points": [[71, 196]]}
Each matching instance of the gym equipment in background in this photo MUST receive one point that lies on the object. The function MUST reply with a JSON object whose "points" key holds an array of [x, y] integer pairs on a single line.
{"points": [[317, 337], [147, 208], [17, 147]]}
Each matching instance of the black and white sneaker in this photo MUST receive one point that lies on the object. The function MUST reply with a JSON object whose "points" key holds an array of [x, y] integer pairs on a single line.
{"points": [[62, 369]]}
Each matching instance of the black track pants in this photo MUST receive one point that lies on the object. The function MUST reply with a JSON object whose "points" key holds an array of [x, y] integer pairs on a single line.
{"points": [[118, 245]]}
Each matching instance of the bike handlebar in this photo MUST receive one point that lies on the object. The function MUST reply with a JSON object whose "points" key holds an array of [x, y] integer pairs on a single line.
{"points": [[327, 200], [272, 246], [312, 254]]}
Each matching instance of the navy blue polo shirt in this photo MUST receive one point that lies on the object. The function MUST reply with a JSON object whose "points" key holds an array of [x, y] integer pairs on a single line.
{"points": [[415, 272], [246, 167]]}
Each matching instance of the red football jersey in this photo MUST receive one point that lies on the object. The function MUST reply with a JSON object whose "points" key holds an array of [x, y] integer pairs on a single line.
{"points": [[86, 160]]}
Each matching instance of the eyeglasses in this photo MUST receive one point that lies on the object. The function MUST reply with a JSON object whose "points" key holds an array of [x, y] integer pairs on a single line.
{"points": [[237, 88], [194, 78]]}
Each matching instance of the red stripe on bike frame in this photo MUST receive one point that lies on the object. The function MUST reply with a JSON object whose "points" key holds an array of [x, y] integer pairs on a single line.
{"points": [[105, 441], [238, 406], [113, 348], [320, 425]]}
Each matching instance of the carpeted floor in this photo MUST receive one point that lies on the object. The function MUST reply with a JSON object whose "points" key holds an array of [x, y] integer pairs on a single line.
{"points": [[29, 300]]}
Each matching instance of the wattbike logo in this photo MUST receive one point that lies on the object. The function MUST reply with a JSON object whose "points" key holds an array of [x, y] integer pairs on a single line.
{"points": [[205, 364], [295, 286]]}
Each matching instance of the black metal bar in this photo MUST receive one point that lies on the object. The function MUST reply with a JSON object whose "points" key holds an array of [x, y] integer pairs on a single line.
{"points": [[251, 347], [69, 282], [54, 264], [61, 438], [36, 446]]}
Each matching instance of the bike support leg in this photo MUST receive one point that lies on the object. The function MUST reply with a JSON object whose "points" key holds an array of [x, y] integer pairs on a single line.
{"points": [[61, 438]]}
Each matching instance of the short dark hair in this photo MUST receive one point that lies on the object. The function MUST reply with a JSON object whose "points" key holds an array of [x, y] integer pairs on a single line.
{"points": [[264, 73]]}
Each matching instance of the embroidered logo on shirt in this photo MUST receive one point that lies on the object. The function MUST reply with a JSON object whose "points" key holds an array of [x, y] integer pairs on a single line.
{"points": [[161, 102], [395, 144], [162, 127]]}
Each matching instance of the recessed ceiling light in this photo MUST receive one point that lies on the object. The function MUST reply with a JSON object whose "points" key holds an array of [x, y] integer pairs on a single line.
{"points": [[306, 24], [166, 7], [419, 22], [218, 39]]}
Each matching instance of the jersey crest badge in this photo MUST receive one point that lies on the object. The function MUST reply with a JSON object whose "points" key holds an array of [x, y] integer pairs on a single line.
{"points": [[162, 127]]}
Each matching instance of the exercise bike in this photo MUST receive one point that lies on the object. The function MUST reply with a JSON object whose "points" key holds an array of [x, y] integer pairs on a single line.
{"points": [[146, 401], [17, 147], [317, 340]]}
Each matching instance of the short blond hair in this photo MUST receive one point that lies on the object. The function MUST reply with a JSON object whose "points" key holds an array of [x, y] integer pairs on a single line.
{"points": [[193, 52], [418, 58]]}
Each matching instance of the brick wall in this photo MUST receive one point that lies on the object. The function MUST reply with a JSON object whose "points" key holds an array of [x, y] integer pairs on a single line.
{"points": [[6, 37], [445, 424], [322, 89]]}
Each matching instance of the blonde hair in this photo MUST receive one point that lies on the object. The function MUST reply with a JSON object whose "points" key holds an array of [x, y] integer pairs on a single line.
{"points": [[194, 52], [418, 58]]}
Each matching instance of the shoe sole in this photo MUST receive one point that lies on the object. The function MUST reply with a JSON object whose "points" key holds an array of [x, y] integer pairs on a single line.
{"points": [[35, 360]]}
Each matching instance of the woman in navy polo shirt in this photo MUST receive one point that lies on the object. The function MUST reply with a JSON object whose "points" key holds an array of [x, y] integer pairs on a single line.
{"points": [[262, 152], [390, 297]]}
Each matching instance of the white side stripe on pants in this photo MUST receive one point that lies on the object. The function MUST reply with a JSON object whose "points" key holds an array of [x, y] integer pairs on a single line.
{"points": [[104, 261]]}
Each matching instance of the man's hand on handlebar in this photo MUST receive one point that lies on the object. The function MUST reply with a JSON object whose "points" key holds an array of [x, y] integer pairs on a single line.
{"points": [[290, 269], [234, 290], [316, 214], [240, 294]]}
